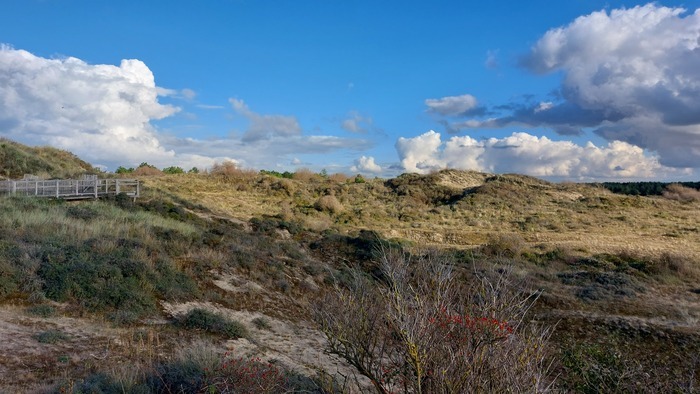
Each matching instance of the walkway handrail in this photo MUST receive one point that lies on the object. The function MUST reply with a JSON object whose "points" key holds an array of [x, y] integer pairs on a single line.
{"points": [[71, 188]]}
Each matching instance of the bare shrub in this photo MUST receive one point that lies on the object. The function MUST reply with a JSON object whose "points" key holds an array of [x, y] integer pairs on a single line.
{"points": [[328, 204], [504, 245], [338, 178], [284, 185], [421, 331], [229, 170], [679, 265], [304, 175], [681, 193], [247, 375]]}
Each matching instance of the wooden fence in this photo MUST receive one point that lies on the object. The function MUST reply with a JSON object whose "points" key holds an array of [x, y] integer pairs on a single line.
{"points": [[71, 189]]}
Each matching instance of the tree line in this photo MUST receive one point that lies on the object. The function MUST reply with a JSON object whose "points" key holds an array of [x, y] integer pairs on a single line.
{"points": [[643, 188]]}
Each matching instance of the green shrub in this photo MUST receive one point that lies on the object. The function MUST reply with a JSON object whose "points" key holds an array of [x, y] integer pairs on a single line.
{"points": [[173, 170], [83, 212], [51, 336], [597, 368], [42, 310], [261, 323], [8, 278], [179, 376], [102, 383], [94, 281], [202, 319]]}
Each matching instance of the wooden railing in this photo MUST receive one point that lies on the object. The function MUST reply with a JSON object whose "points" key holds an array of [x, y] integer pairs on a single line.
{"points": [[71, 188]]}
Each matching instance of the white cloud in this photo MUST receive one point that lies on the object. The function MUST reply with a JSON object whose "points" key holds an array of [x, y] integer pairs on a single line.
{"points": [[264, 127], [366, 164], [452, 105], [531, 155], [420, 154], [630, 74], [102, 112], [356, 123], [544, 106]]}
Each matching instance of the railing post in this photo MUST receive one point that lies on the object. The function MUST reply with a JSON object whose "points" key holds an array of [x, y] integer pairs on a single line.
{"points": [[117, 181], [14, 187], [36, 188], [57, 189], [97, 183]]}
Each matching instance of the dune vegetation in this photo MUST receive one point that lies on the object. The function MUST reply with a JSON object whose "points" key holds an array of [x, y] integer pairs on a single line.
{"points": [[233, 280]]}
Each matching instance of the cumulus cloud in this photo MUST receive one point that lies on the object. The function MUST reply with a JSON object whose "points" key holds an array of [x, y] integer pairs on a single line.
{"points": [[527, 154], [105, 115], [356, 123], [102, 111], [630, 75], [366, 164], [465, 104], [265, 127]]}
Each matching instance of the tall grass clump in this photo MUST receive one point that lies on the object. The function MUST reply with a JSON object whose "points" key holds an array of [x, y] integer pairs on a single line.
{"points": [[328, 204]]}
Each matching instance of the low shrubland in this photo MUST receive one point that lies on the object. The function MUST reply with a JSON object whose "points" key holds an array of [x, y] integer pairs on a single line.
{"points": [[615, 276], [201, 367]]}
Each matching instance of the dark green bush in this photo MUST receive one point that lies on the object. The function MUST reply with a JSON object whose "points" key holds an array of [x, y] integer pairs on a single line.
{"points": [[8, 278], [81, 211], [202, 319], [51, 336], [261, 323], [113, 281], [181, 376]]}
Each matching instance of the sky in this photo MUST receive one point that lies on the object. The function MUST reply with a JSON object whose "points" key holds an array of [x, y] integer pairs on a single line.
{"points": [[575, 90]]}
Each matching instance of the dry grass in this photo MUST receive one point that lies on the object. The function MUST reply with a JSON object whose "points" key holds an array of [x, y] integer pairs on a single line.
{"points": [[305, 175], [575, 216], [338, 178], [328, 204], [146, 171], [230, 171], [681, 193]]}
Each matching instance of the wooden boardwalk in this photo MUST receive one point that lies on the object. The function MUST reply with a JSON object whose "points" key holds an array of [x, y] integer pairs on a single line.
{"points": [[71, 189]]}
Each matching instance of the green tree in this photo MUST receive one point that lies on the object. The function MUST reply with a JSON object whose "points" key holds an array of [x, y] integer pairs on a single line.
{"points": [[173, 170], [124, 170]]}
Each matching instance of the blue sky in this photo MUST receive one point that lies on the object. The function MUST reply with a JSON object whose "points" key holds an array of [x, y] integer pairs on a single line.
{"points": [[574, 90]]}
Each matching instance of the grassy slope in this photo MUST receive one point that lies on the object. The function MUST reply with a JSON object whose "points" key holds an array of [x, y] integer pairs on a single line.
{"points": [[16, 160], [617, 272], [461, 209]]}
